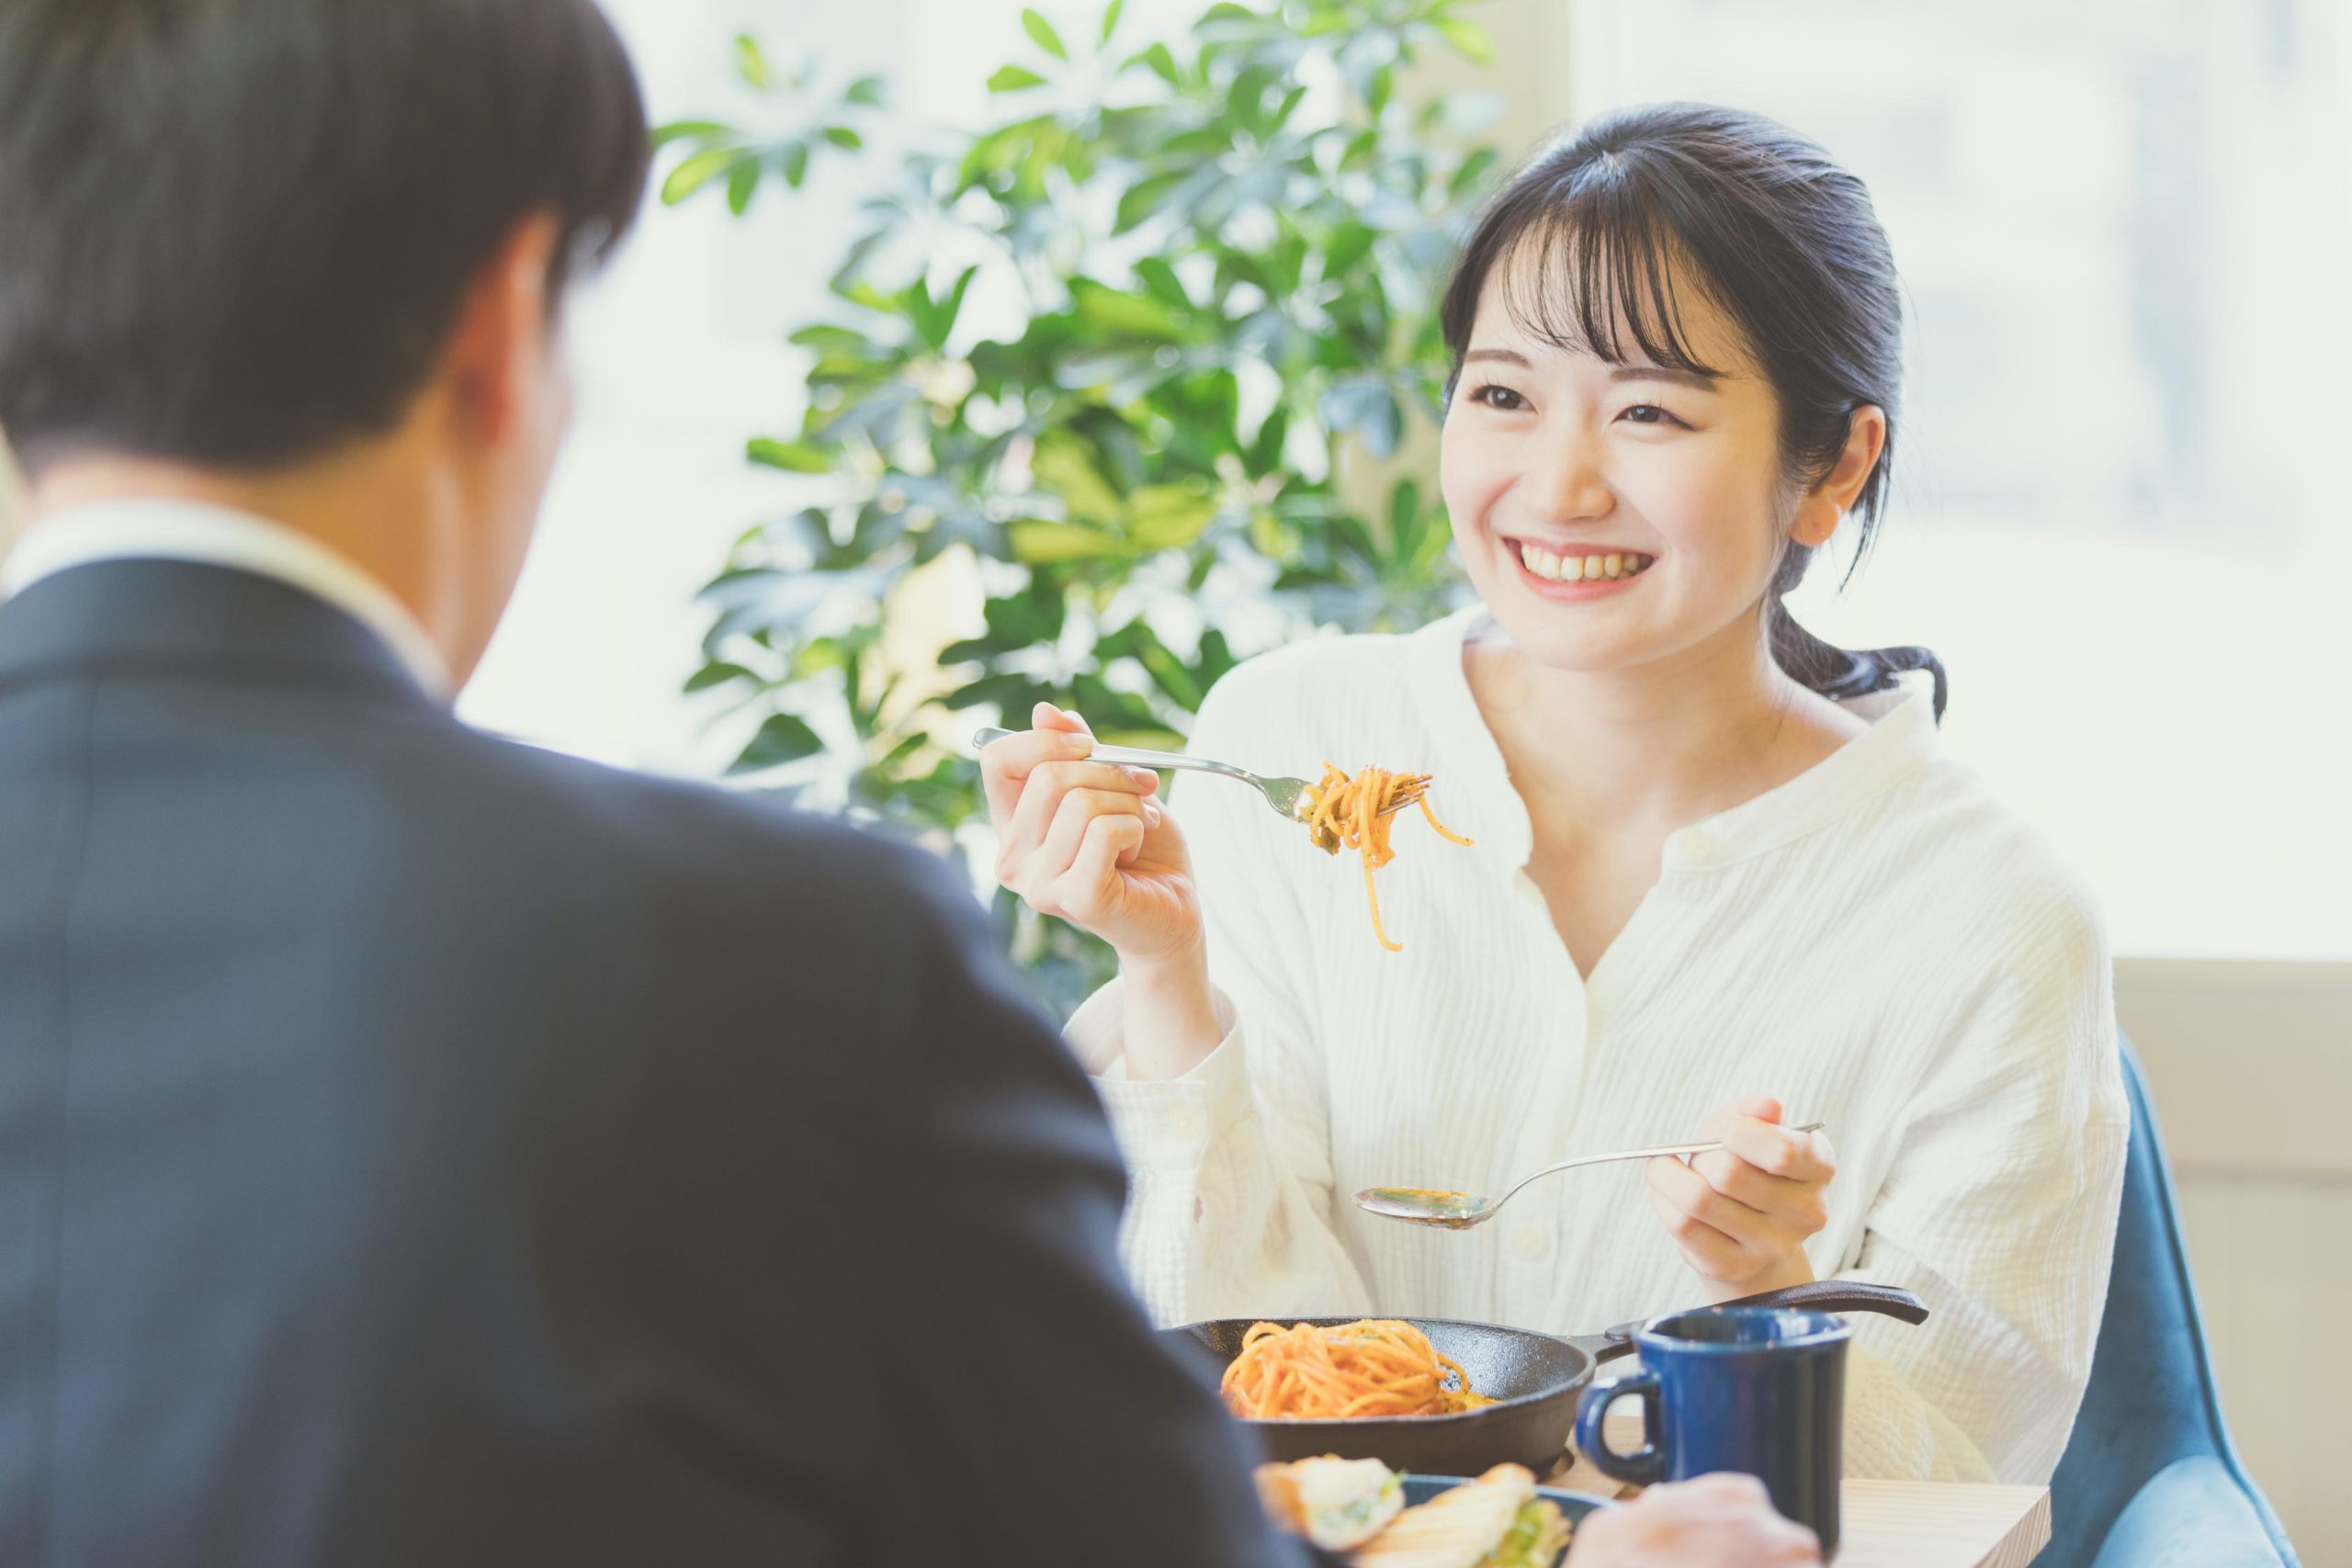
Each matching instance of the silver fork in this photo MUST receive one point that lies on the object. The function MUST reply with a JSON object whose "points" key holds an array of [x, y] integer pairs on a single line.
{"points": [[1295, 798]]}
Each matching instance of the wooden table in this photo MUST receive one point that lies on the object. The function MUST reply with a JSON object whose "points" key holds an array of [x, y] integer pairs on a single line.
{"points": [[1895, 1524]]}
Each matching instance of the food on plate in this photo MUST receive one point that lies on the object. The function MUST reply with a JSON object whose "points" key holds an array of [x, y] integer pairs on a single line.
{"points": [[1353, 812], [1370, 1367], [1335, 1502], [1496, 1521]]}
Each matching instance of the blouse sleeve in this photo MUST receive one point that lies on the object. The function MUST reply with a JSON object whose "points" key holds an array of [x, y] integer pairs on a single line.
{"points": [[1999, 1209], [1230, 1166]]}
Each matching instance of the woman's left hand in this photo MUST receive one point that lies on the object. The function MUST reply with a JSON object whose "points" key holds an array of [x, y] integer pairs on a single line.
{"points": [[1741, 1214]]}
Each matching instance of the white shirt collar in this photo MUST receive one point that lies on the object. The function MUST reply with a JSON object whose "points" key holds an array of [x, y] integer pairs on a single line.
{"points": [[156, 528], [1901, 739]]}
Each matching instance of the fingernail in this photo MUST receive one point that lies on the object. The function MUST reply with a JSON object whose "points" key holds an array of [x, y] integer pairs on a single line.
{"points": [[1142, 775]]}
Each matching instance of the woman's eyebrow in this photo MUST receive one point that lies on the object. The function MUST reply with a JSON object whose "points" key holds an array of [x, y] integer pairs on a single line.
{"points": [[1702, 380]]}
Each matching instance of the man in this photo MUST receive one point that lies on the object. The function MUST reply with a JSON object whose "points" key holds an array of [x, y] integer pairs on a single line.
{"points": [[416, 1148]]}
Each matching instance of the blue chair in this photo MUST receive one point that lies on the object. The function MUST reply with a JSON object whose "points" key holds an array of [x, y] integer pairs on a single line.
{"points": [[2150, 1478]]}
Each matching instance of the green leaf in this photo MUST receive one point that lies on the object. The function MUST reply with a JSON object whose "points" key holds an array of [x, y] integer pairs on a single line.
{"points": [[1145, 198], [1110, 19], [1042, 32], [1036, 542], [1158, 62], [1474, 169], [792, 457], [750, 61], [693, 130], [1062, 466], [742, 181], [831, 339], [693, 174], [793, 159], [718, 673], [1161, 280], [867, 90], [1163, 517], [1129, 315], [785, 737], [1468, 39], [1404, 517], [843, 136], [1014, 78]]}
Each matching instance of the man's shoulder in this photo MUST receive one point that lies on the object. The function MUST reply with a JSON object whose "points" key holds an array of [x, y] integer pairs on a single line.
{"points": [[720, 838]]}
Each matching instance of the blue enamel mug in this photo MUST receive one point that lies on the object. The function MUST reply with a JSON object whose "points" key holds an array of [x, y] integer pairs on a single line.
{"points": [[1758, 1390]]}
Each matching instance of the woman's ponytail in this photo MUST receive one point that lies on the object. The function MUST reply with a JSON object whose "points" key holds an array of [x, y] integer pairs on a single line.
{"points": [[1840, 673]]}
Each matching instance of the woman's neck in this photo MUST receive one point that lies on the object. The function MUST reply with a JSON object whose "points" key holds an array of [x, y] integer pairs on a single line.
{"points": [[1658, 745]]}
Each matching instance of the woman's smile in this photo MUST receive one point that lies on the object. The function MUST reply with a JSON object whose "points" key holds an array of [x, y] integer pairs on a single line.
{"points": [[1574, 572]]}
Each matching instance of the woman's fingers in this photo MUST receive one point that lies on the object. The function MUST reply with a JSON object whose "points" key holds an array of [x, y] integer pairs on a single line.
{"points": [[1058, 851], [1090, 890], [1753, 1129], [1779, 1151], [1797, 1205], [1743, 1212], [1006, 765], [1705, 1248], [1041, 801]]}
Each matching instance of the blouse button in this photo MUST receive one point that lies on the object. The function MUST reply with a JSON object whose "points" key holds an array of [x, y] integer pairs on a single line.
{"points": [[1529, 1243], [1697, 846]]}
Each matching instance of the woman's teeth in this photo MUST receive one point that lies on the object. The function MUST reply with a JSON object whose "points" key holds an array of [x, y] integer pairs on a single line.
{"points": [[1589, 568]]}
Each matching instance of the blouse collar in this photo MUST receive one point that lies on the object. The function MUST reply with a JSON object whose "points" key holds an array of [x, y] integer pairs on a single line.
{"points": [[1478, 791]]}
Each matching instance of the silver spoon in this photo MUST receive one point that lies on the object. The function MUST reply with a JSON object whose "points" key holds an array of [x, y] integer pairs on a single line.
{"points": [[1460, 1210], [1295, 798]]}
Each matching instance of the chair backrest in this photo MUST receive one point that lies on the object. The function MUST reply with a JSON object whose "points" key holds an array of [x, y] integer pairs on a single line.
{"points": [[2151, 1401]]}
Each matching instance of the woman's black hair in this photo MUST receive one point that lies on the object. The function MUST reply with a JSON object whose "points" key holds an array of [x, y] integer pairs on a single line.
{"points": [[1780, 237]]}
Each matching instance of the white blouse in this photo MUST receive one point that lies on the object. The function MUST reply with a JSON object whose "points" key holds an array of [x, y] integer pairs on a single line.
{"points": [[1877, 943]]}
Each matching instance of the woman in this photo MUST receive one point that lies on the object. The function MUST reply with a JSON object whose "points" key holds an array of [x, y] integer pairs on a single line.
{"points": [[1723, 881]]}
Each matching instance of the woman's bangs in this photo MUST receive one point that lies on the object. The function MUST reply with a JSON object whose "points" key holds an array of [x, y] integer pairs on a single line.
{"points": [[1598, 275]]}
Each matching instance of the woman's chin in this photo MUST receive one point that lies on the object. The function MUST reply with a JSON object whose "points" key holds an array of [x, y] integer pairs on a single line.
{"points": [[1540, 637]]}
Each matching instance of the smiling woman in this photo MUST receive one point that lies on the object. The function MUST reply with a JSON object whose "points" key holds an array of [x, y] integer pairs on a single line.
{"points": [[1722, 882], [1791, 335]]}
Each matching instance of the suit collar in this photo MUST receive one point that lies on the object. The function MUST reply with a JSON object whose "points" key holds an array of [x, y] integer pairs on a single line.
{"points": [[149, 528], [182, 619]]}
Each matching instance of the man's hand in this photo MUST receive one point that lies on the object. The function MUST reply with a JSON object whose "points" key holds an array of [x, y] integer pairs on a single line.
{"points": [[1716, 1521]]}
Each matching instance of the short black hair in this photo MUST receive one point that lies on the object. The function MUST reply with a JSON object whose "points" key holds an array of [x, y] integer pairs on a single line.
{"points": [[237, 232]]}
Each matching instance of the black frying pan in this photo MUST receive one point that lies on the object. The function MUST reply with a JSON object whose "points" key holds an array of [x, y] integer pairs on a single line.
{"points": [[1534, 1378]]}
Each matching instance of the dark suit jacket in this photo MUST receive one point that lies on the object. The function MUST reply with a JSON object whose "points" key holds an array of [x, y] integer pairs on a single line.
{"points": [[421, 1149]]}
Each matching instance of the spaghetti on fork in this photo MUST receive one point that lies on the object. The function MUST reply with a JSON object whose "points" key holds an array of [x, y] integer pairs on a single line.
{"points": [[1353, 812]]}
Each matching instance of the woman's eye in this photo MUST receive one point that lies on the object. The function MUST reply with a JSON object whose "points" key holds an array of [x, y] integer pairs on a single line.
{"points": [[1650, 413], [1501, 398]]}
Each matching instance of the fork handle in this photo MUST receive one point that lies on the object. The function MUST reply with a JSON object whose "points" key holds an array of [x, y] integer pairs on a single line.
{"points": [[1137, 757]]}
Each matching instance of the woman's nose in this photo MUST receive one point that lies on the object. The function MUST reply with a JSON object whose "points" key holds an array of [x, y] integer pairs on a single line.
{"points": [[1566, 484]]}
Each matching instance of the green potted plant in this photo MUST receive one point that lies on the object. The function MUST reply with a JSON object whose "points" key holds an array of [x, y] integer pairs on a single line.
{"points": [[1127, 369]]}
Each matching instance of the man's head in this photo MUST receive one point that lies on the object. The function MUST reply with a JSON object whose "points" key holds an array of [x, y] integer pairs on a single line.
{"points": [[256, 239]]}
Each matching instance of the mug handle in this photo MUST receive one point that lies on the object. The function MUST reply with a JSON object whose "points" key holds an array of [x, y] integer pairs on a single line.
{"points": [[1646, 1465]]}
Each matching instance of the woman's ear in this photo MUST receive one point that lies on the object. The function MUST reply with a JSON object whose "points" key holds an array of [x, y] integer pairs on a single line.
{"points": [[1826, 503]]}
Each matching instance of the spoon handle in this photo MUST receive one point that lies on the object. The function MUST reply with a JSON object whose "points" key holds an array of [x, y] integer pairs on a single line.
{"points": [[1676, 1149]]}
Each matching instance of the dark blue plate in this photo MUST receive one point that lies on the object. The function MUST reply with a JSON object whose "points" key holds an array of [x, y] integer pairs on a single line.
{"points": [[1419, 1489]]}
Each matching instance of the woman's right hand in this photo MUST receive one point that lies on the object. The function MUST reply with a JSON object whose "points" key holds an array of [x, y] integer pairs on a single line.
{"points": [[1089, 842]]}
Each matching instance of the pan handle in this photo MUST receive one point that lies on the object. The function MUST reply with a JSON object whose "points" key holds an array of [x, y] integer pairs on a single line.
{"points": [[1822, 1295], [1843, 1295]]}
